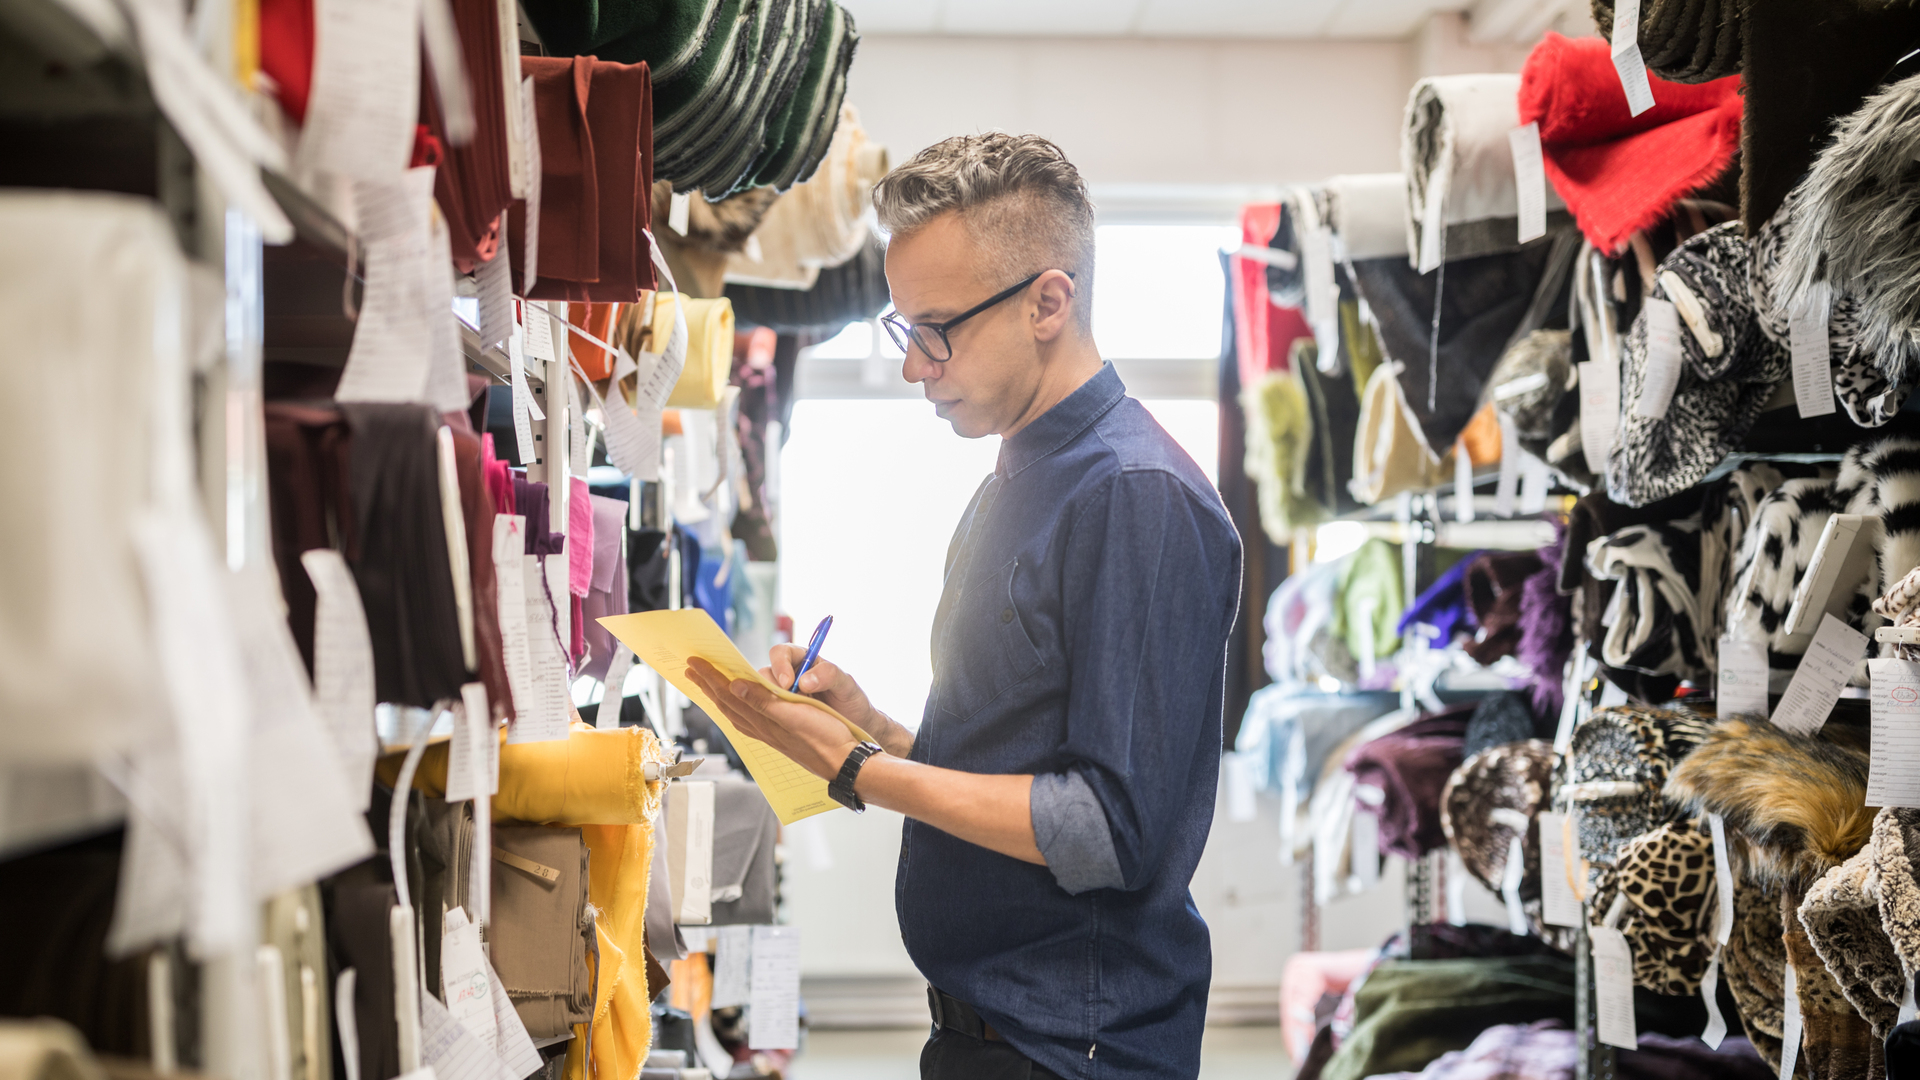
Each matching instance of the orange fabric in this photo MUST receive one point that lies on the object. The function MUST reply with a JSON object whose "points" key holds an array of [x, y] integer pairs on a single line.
{"points": [[670, 423], [1481, 439], [598, 320]]}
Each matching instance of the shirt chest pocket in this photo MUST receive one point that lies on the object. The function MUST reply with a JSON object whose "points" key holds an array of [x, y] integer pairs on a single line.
{"points": [[988, 649]]}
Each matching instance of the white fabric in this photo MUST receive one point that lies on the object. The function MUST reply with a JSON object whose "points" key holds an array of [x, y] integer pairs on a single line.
{"points": [[819, 224], [1455, 153], [1369, 215]]}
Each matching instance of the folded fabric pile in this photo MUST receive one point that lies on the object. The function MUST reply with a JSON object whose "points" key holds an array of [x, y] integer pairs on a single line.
{"points": [[1620, 173], [748, 91], [853, 291], [1410, 768], [820, 223]]}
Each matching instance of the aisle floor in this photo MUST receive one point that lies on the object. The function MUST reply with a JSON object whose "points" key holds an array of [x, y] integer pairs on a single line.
{"points": [[1228, 1053]]}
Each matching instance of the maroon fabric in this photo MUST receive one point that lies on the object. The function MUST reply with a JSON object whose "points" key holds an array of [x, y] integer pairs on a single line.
{"points": [[308, 502], [1494, 586], [476, 505], [474, 185], [1411, 766], [569, 181]]}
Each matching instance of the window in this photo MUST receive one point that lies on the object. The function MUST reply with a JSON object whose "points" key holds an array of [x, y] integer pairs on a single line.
{"points": [[1158, 292]]}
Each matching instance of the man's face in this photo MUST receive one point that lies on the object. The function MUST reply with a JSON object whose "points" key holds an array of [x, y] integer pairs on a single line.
{"points": [[995, 371]]}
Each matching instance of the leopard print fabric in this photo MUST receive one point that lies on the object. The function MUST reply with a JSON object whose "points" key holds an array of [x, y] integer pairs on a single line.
{"points": [[1667, 876], [1631, 744]]}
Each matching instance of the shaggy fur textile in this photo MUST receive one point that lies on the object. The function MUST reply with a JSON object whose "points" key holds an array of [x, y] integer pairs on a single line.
{"points": [[1841, 915], [1755, 966], [1896, 841], [1686, 41]]}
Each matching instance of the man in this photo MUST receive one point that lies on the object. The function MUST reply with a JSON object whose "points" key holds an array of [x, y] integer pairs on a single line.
{"points": [[1059, 789]]}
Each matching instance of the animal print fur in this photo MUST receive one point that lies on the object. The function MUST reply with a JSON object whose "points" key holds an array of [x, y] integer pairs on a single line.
{"points": [[1667, 878], [1842, 920], [1630, 745]]}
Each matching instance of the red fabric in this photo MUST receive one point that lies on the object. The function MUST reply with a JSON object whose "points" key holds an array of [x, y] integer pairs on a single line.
{"points": [[1263, 333], [475, 183], [569, 185], [1616, 172], [286, 53]]}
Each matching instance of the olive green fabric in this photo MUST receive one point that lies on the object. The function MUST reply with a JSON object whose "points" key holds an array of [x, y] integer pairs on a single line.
{"points": [[1409, 1012]]}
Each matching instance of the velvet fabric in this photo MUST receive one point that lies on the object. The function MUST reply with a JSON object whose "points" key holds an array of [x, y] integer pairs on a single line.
{"points": [[1411, 766], [1493, 584]]}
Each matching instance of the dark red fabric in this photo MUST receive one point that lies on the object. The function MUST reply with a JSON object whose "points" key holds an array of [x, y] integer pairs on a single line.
{"points": [[286, 53], [1620, 173], [477, 507], [309, 503], [475, 183], [569, 182], [1263, 333], [1411, 766]]}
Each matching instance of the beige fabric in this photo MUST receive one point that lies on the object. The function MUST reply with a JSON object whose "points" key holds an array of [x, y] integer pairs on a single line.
{"points": [[538, 927], [1389, 454], [821, 223], [44, 1049], [1842, 919]]}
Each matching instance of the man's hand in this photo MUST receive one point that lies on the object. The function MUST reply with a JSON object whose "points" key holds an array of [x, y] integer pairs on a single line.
{"points": [[810, 736], [825, 681]]}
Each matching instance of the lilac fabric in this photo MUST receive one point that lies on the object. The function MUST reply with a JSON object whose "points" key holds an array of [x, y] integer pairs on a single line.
{"points": [[531, 500], [1411, 767], [1443, 605], [1545, 1050], [607, 592]]}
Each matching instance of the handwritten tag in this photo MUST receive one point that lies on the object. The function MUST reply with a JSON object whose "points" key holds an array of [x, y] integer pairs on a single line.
{"points": [[1740, 688], [464, 985], [1663, 359], [1529, 180], [393, 339], [732, 965], [1558, 905], [1812, 363], [1817, 682], [1627, 61], [633, 433], [543, 713], [365, 88], [689, 822], [1599, 411], [539, 330], [525, 450], [775, 996], [494, 282], [1893, 774], [1722, 880], [343, 686], [1790, 1027], [450, 1050], [1613, 987], [473, 754], [509, 563], [446, 379]]}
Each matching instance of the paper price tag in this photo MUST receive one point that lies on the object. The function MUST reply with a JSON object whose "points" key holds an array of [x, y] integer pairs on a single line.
{"points": [[1510, 878], [509, 547], [1817, 682], [1627, 61], [775, 995], [1529, 180], [1599, 411], [1558, 905], [464, 985], [1613, 987], [543, 712], [366, 74], [689, 821], [1812, 363], [343, 686], [1740, 688], [1893, 775], [1663, 359], [494, 282], [473, 754], [1790, 1027]]}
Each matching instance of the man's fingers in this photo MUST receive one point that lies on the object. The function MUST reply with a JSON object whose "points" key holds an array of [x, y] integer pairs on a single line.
{"points": [[781, 660], [819, 677]]}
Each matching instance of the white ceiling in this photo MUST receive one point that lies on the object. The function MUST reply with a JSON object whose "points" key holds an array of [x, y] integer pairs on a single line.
{"points": [[1155, 18]]}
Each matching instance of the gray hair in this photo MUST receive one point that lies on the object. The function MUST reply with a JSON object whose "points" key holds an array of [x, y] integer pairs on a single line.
{"points": [[1020, 199]]}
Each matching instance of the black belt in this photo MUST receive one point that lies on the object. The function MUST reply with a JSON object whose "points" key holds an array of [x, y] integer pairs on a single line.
{"points": [[955, 1015]]}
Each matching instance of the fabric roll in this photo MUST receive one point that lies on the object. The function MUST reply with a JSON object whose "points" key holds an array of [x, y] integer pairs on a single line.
{"points": [[1503, 717], [1685, 41], [1409, 1012], [1895, 843], [820, 223], [1528, 383], [1279, 438], [1390, 455], [1837, 1041], [1493, 583], [536, 927], [1754, 964], [402, 566], [745, 832], [1461, 200], [599, 320], [851, 292], [1618, 763], [1333, 406], [717, 153], [1773, 557], [1264, 332], [1495, 795], [591, 777], [799, 136], [1543, 1050], [1411, 767], [607, 594], [1368, 213], [619, 115], [309, 502], [1805, 66], [498, 475], [581, 546], [1667, 878], [668, 38], [1618, 173], [1546, 628], [1371, 598], [1728, 371], [358, 903], [619, 859], [709, 353]]}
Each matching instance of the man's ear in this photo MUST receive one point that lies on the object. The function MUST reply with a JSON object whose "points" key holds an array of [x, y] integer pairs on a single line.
{"points": [[1053, 302]]}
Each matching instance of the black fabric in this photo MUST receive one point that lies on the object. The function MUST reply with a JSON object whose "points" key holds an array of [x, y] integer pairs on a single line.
{"points": [[1482, 301], [1903, 1052], [647, 570], [1335, 412], [950, 1055], [357, 902], [848, 293], [1503, 718], [402, 568]]}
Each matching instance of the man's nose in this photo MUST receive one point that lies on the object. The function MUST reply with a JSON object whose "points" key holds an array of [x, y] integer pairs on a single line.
{"points": [[916, 368]]}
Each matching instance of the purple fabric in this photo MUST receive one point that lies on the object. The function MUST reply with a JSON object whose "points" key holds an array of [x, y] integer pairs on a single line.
{"points": [[1411, 766], [530, 500], [1546, 627], [608, 595], [1663, 1057], [1443, 605]]}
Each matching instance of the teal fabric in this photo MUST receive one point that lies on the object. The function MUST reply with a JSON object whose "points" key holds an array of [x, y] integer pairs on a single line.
{"points": [[1409, 1012]]}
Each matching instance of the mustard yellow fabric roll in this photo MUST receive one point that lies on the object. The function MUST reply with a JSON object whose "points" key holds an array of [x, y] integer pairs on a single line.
{"points": [[620, 858], [709, 353], [591, 777]]}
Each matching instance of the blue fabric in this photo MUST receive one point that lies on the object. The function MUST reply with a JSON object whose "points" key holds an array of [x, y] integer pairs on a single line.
{"points": [[1443, 606], [1090, 589], [715, 599], [1071, 831]]}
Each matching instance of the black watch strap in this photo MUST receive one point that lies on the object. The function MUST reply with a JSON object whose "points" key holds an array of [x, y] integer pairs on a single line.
{"points": [[842, 786]]}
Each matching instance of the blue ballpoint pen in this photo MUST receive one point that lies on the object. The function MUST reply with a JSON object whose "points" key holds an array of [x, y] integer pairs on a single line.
{"points": [[813, 652]]}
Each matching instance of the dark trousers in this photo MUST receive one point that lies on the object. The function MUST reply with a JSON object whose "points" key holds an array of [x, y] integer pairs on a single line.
{"points": [[950, 1055]]}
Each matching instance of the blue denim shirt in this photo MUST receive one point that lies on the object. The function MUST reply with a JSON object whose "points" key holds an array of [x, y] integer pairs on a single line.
{"points": [[1081, 637]]}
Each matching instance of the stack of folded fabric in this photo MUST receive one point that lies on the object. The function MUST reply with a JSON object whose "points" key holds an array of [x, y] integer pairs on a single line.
{"points": [[596, 166], [748, 91], [818, 224], [853, 291]]}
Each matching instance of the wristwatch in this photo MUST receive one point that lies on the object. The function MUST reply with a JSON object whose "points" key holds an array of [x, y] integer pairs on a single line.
{"points": [[842, 786]]}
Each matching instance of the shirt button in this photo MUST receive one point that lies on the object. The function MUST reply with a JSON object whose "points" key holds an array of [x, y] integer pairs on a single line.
{"points": [[1006, 616]]}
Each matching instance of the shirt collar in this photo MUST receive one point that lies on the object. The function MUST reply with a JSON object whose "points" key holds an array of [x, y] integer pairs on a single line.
{"points": [[1061, 424]]}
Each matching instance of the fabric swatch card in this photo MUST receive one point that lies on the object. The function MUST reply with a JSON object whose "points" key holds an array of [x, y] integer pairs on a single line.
{"points": [[1613, 987], [1823, 671]]}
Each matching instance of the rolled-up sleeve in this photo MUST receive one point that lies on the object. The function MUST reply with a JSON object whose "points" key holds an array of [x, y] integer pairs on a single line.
{"points": [[1152, 579]]}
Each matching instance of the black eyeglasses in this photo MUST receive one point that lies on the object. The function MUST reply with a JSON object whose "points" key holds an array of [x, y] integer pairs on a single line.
{"points": [[932, 337]]}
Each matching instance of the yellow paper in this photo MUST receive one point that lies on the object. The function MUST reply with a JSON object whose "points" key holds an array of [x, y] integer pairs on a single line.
{"points": [[666, 640]]}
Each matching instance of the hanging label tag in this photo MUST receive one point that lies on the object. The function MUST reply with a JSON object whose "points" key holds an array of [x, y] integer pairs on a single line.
{"points": [[1716, 1030], [1508, 485], [1823, 671], [525, 450], [1510, 878], [732, 965], [539, 331], [361, 105], [530, 261], [343, 686], [1722, 880], [1893, 773], [1611, 693], [543, 714], [1364, 851], [1740, 688], [1908, 1013], [463, 977], [394, 342], [613, 698], [509, 562], [473, 756], [1558, 905], [1599, 411], [515, 1047], [775, 996], [679, 210], [689, 809], [1613, 987], [1807, 337], [1529, 180], [579, 436], [1790, 1026], [1536, 477], [1462, 484], [1663, 359], [494, 282], [1627, 60]]}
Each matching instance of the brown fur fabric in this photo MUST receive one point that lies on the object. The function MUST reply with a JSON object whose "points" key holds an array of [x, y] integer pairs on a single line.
{"points": [[1667, 876], [1755, 962], [1841, 916], [1896, 842], [1796, 801], [1838, 1044]]}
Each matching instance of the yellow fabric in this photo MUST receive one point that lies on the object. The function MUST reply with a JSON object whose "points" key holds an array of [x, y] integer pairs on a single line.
{"points": [[591, 777], [619, 858], [1389, 456], [1279, 426], [709, 353]]}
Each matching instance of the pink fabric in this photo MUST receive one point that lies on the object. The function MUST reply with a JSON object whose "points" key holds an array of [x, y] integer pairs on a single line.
{"points": [[499, 478], [1306, 978], [1263, 333], [579, 537]]}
